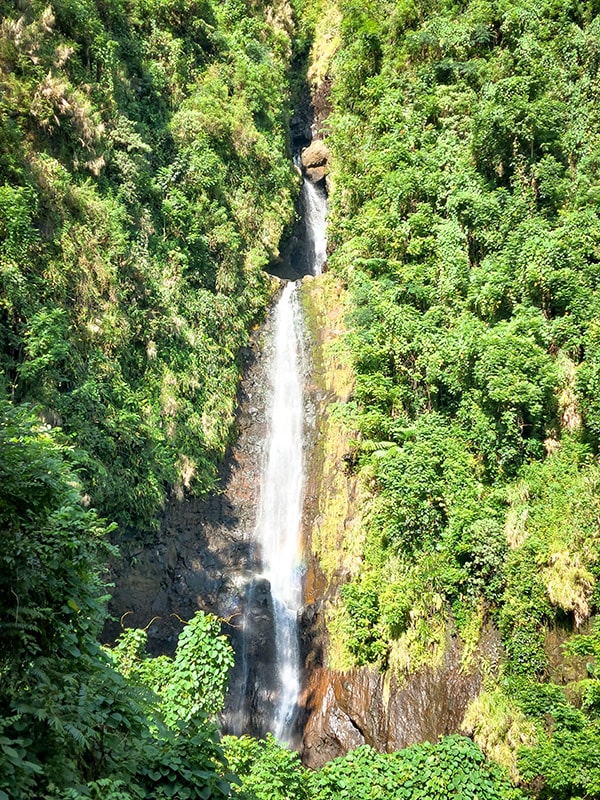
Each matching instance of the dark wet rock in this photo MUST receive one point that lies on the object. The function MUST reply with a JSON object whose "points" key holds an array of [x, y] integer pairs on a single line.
{"points": [[321, 107], [253, 679], [562, 668], [297, 253], [302, 120]]}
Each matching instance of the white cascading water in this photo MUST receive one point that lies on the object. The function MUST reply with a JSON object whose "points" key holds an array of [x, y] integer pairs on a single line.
{"points": [[315, 218], [282, 480], [280, 509]]}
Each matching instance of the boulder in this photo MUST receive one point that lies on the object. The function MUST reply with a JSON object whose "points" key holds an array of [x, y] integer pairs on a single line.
{"points": [[316, 174], [315, 160]]}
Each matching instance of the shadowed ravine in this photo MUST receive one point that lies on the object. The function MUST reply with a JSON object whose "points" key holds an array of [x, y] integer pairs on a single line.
{"points": [[208, 554]]}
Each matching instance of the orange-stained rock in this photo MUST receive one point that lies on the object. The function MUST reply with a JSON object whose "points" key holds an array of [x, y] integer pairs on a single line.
{"points": [[346, 709], [315, 160]]}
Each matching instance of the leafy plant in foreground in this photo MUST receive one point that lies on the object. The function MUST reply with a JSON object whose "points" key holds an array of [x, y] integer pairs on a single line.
{"points": [[72, 726], [455, 767]]}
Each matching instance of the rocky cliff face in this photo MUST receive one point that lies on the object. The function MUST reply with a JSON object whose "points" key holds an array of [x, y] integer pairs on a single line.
{"points": [[344, 708], [363, 706], [202, 557]]}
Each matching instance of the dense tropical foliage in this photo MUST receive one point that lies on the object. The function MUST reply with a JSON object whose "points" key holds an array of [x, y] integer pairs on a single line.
{"points": [[465, 225], [78, 721], [455, 767], [145, 183]]}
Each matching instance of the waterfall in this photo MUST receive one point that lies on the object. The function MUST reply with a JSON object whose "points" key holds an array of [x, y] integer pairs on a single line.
{"points": [[265, 698], [314, 204], [280, 509]]}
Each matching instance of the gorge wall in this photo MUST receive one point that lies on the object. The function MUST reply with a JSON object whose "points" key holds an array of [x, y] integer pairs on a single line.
{"points": [[343, 706], [200, 553]]}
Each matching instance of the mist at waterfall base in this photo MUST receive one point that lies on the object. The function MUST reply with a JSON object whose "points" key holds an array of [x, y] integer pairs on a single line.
{"points": [[264, 694]]}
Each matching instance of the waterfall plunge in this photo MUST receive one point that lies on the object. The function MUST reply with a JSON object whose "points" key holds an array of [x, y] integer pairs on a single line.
{"points": [[280, 509], [282, 481], [314, 204], [264, 694]]}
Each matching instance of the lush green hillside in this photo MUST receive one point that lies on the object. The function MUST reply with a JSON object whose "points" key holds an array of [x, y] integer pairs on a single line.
{"points": [[465, 140], [144, 185]]}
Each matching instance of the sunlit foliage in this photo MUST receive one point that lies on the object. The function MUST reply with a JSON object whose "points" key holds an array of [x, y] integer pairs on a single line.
{"points": [[464, 222], [144, 185]]}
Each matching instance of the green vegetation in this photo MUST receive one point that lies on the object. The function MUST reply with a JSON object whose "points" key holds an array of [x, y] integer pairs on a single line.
{"points": [[80, 722], [455, 767], [71, 725], [144, 184], [464, 222], [266, 770]]}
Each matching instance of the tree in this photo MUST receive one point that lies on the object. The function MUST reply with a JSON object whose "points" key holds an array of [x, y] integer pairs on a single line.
{"points": [[72, 726]]}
